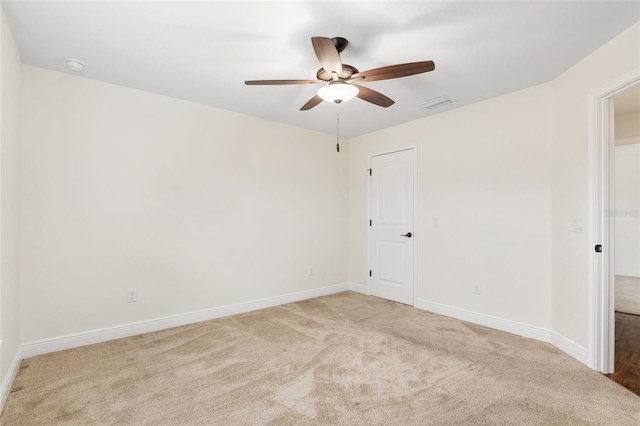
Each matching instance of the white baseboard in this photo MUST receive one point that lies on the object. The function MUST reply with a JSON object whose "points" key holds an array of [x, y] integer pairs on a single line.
{"points": [[628, 273], [567, 346], [502, 324], [91, 337], [359, 288], [571, 348], [7, 381]]}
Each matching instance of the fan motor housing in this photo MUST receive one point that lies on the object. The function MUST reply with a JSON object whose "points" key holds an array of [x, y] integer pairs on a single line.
{"points": [[347, 72]]}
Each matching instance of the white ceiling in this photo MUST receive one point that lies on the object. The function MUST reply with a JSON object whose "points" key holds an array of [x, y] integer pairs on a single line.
{"points": [[204, 51]]}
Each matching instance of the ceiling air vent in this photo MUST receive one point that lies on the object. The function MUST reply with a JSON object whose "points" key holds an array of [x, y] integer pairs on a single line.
{"points": [[438, 102]]}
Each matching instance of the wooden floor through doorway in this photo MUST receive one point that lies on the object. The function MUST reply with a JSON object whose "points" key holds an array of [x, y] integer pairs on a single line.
{"points": [[627, 352]]}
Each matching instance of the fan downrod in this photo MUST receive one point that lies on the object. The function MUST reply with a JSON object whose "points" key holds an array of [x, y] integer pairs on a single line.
{"points": [[340, 43]]}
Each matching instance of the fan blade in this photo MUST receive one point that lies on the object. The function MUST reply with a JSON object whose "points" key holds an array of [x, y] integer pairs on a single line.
{"points": [[374, 97], [312, 102], [276, 82], [395, 71], [327, 55]]}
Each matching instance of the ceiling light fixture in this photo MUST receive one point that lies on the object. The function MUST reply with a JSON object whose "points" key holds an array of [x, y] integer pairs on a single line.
{"points": [[75, 65], [338, 92]]}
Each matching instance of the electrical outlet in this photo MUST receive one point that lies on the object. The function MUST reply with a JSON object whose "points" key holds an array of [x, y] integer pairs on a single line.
{"points": [[310, 271], [132, 295], [477, 289]]}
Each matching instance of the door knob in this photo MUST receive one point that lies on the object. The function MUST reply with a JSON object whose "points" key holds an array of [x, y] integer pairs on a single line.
{"points": [[408, 234]]}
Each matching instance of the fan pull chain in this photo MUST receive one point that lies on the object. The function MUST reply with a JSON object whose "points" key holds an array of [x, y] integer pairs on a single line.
{"points": [[338, 126]]}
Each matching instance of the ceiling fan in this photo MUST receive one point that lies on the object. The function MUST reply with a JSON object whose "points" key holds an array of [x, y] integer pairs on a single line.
{"points": [[340, 79]]}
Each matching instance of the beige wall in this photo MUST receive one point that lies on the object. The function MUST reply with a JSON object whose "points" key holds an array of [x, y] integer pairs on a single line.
{"points": [[570, 91], [9, 200], [627, 125], [627, 211], [627, 184], [197, 207], [505, 178], [484, 172], [193, 206]]}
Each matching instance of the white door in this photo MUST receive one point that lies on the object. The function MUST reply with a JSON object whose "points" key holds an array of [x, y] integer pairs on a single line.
{"points": [[391, 233]]}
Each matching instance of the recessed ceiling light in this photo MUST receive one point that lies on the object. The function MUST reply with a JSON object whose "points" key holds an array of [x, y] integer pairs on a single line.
{"points": [[75, 65]]}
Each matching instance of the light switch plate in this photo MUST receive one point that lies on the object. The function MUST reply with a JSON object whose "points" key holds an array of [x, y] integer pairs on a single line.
{"points": [[576, 225]]}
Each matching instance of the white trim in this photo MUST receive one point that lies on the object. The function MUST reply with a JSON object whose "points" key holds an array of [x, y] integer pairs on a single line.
{"points": [[359, 288], [502, 324], [628, 273], [416, 230], [627, 141], [91, 337], [601, 314], [571, 348], [7, 381]]}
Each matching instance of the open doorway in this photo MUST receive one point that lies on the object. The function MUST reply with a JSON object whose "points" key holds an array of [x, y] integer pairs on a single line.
{"points": [[626, 218], [601, 221]]}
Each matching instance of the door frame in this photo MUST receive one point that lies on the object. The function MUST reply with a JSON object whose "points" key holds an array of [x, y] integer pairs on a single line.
{"points": [[415, 232], [601, 180]]}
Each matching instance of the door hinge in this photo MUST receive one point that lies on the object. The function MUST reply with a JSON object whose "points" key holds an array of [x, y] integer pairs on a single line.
{"points": [[369, 172], [370, 222], [369, 272]]}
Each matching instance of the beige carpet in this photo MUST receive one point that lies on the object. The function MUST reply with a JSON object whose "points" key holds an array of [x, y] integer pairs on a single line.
{"points": [[341, 359], [627, 294]]}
